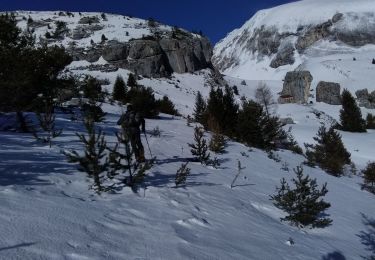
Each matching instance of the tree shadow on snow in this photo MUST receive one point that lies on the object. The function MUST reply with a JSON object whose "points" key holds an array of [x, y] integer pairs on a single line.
{"points": [[16, 246], [337, 255], [26, 167], [159, 179], [367, 237]]}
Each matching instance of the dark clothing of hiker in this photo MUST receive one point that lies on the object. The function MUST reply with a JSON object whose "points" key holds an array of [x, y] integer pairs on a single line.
{"points": [[130, 122]]}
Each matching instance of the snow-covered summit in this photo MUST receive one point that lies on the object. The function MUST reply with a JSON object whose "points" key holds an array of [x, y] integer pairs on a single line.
{"points": [[282, 38]]}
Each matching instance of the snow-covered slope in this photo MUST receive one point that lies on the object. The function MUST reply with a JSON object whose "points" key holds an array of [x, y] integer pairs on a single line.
{"points": [[287, 37], [47, 211]]}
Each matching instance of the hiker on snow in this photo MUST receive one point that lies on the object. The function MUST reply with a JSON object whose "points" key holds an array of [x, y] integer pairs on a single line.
{"points": [[130, 123]]}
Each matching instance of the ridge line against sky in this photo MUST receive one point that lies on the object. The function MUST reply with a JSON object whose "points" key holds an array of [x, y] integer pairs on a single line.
{"points": [[214, 18]]}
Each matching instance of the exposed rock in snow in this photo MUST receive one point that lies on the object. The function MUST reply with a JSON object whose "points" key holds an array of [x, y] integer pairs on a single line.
{"points": [[328, 92], [296, 86]]}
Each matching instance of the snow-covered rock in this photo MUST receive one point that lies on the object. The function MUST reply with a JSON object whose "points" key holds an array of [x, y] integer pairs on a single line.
{"points": [[290, 36]]}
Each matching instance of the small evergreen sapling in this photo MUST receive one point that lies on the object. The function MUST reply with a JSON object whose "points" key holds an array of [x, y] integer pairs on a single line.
{"points": [[370, 121], [304, 204], [199, 148], [217, 143], [181, 174], [46, 119], [94, 161]]}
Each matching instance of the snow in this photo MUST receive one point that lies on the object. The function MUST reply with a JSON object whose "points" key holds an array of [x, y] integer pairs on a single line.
{"points": [[48, 212], [289, 18]]}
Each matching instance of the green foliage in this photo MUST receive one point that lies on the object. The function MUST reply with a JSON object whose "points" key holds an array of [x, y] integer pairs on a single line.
{"points": [[217, 143], [26, 70], [350, 115], [181, 174], [200, 109], [46, 118], [132, 81], [94, 112], [370, 121], [104, 39], [222, 108], [304, 203], [369, 177], [329, 153], [143, 101], [92, 89], [119, 89], [199, 148], [256, 129], [94, 161], [166, 106]]}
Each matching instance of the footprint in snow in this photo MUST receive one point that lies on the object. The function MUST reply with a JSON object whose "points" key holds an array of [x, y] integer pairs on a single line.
{"points": [[193, 221]]}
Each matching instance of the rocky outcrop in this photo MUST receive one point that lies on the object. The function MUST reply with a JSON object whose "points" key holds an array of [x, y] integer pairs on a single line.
{"points": [[296, 88], [89, 20], [285, 56], [261, 42], [366, 99], [313, 35], [328, 92], [152, 57]]}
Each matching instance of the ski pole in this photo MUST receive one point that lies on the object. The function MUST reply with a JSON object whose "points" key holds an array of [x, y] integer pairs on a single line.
{"points": [[148, 145]]}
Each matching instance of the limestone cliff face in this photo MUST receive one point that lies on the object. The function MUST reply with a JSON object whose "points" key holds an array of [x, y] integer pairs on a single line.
{"points": [[153, 57], [147, 48]]}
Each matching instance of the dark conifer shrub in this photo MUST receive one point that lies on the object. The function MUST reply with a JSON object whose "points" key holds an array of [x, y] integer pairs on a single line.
{"points": [[350, 115], [329, 152], [369, 177], [166, 106], [370, 121], [119, 89], [132, 81], [256, 129], [200, 107], [304, 204], [143, 101]]}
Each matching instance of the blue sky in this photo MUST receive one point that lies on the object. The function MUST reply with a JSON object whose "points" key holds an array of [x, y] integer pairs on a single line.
{"points": [[215, 18]]}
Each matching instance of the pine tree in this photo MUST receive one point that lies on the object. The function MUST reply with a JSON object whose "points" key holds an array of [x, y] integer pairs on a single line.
{"points": [[256, 129], [94, 161], [199, 148], [350, 114], [119, 89], [304, 203], [200, 109], [132, 81], [46, 118], [329, 153], [369, 177], [182, 174], [222, 108], [104, 39], [217, 143]]}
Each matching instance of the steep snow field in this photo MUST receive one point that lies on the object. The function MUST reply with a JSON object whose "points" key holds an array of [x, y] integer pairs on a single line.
{"points": [[47, 211]]}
